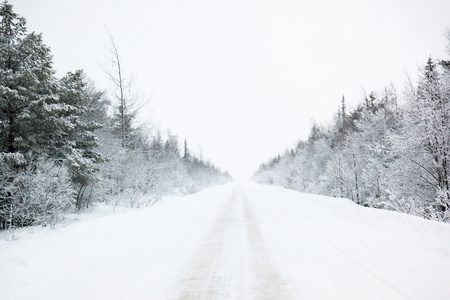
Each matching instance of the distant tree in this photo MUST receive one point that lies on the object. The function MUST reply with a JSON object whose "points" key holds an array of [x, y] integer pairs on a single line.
{"points": [[171, 145], [186, 153]]}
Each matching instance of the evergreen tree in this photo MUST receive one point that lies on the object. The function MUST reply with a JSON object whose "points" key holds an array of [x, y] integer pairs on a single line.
{"points": [[77, 146], [27, 101], [186, 154], [27, 87], [41, 119]]}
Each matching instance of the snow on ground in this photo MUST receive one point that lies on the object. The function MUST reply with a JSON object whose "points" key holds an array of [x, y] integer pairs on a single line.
{"points": [[329, 248], [123, 256], [232, 242]]}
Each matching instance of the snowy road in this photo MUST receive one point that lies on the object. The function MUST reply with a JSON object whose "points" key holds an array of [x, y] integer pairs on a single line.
{"points": [[232, 262], [234, 242]]}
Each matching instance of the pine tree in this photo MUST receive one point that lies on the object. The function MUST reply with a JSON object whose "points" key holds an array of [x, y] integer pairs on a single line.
{"points": [[77, 146], [41, 118], [27, 86], [27, 98], [186, 154]]}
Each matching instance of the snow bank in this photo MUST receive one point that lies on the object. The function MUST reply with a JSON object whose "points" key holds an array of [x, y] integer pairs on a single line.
{"points": [[331, 248]]}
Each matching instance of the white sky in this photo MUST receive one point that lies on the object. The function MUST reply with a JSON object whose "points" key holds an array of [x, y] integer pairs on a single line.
{"points": [[244, 79]]}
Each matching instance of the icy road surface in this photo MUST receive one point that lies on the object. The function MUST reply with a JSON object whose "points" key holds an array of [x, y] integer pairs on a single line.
{"points": [[233, 242]]}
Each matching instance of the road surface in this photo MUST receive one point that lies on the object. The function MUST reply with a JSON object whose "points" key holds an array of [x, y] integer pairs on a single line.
{"points": [[234, 242]]}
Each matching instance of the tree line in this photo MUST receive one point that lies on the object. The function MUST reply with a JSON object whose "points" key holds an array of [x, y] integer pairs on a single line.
{"points": [[64, 144], [392, 151]]}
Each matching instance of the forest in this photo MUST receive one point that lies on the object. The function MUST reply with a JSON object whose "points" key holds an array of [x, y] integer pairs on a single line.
{"points": [[66, 144], [392, 151]]}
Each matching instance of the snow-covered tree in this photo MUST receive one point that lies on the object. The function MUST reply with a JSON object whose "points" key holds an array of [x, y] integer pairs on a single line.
{"points": [[77, 146], [380, 154], [28, 101], [424, 142], [27, 87]]}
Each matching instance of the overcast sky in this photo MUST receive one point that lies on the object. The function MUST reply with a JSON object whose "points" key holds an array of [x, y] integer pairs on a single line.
{"points": [[244, 79]]}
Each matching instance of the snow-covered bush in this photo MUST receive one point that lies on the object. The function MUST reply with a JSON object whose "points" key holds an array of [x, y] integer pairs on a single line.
{"points": [[35, 192]]}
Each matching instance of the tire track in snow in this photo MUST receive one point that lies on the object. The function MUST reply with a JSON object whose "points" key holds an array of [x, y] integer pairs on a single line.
{"points": [[232, 262], [270, 285]]}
